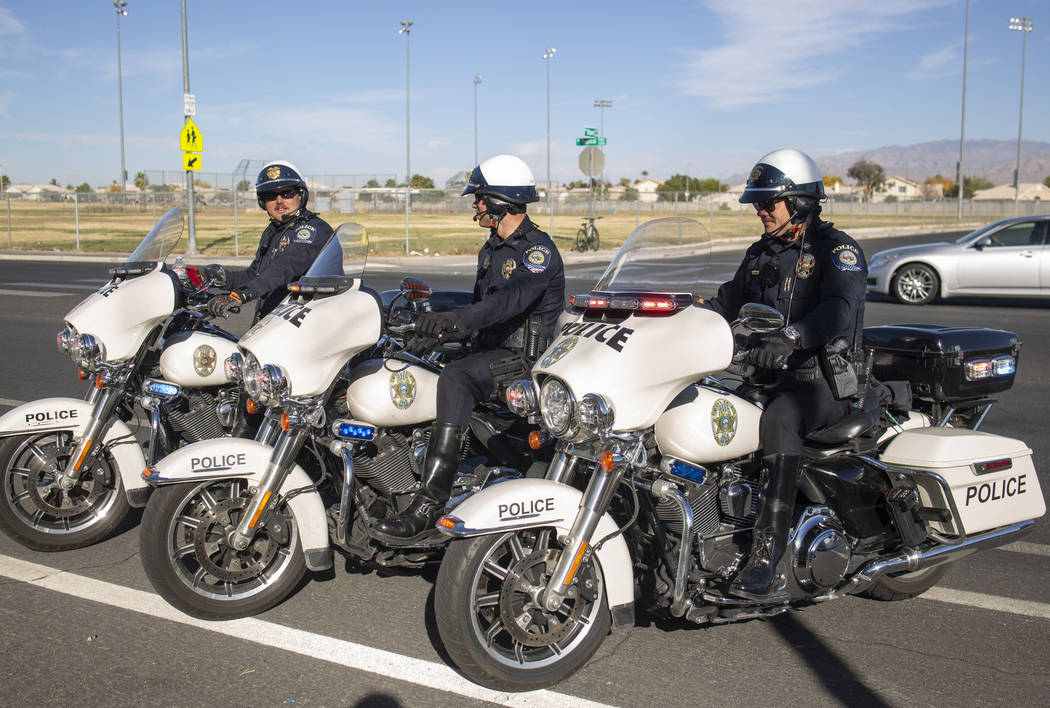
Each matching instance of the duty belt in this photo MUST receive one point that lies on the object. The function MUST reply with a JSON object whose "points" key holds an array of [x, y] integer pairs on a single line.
{"points": [[808, 370]]}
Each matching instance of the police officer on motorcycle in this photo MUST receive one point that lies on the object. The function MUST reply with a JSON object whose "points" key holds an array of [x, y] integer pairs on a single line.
{"points": [[289, 244], [518, 294], [814, 275]]}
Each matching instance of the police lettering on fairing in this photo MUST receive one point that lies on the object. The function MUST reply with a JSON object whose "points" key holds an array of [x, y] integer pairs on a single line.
{"points": [[615, 336]]}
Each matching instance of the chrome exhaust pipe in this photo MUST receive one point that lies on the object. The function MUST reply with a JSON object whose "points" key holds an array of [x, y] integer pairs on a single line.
{"points": [[913, 559]]}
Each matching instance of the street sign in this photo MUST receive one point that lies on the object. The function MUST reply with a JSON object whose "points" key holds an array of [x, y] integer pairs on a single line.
{"points": [[592, 161], [189, 104], [191, 161], [190, 139], [590, 141], [590, 132]]}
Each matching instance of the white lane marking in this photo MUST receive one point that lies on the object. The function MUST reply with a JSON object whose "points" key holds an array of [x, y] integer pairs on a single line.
{"points": [[31, 293], [10, 401], [988, 602], [36, 284], [317, 646]]}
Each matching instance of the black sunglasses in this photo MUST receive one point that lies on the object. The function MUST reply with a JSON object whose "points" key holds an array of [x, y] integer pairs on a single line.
{"points": [[766, 205], [283, 194]]}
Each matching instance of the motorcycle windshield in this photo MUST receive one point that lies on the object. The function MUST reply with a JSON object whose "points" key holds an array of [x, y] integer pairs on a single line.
{"points": [[161, 239], [660, 256], [345, 254]]}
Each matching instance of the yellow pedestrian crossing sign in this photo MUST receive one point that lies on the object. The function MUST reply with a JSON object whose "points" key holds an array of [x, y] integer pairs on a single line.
{"points": [[191, 161], [190, 138]]}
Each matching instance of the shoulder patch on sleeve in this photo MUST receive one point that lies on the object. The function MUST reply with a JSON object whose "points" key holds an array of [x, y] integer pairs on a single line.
{"points": [[536, 258], [305, 233], [845, 257]]}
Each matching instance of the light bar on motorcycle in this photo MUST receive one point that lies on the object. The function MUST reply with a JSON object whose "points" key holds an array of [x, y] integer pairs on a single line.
{"points": [[684, 470], [989, 368], [642, 304], [163, 389], [521, 397], [353, 431]]}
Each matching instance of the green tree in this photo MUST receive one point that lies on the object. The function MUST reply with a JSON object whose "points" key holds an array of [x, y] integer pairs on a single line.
{"points": [[372, 184], [830, 181], [970, 186], [625, 182], [1047, 181], [390, 183], [83, 187], [630, 194], [869, 175], [5, 180], [420, 182], [712, 185], [692, 185], [244, 185], [141, 180], [645, 173], [53, 182]]}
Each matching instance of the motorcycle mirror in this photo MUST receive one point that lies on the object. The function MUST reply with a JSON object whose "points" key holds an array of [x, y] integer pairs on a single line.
{"points": [[760, 318], [415, 289]]}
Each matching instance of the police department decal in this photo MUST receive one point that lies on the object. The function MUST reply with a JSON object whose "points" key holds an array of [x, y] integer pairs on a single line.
{"points": [[845, 257], [507, 268], [306, 233], [402, 389], [559, 350], [723, 421], [537, 258], [804, 267], [274, 172], [204, 360]]}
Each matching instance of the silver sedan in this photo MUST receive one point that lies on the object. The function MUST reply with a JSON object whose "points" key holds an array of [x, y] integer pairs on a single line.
{"points": [[1009, 258]]}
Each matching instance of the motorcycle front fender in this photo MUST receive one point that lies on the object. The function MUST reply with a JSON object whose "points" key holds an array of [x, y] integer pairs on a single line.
{"points": [[532, 503], [237, 458], [50, 414]]}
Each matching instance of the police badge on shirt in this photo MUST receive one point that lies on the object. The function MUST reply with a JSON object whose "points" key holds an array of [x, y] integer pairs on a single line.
{"points": [[845, 257], [536, 259], [305, 233]]}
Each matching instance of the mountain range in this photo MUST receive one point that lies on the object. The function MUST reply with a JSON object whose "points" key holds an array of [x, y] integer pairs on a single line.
{"points": [[992, 159]]}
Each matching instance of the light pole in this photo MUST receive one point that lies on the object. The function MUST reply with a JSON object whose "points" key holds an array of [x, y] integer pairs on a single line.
{"points": [[962, 128], [191, 224], [1024, 26], [601, 104], [120, 5], [406, 29], [548, 54], [477, 80]]}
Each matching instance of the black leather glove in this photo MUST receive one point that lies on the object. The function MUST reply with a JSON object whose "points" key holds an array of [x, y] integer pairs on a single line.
{"points": [[228, 303], [435, 324], [771, 351], [419, 345], [213, 274]]}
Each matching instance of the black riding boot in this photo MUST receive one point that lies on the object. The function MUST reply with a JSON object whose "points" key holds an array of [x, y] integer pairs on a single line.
{"points": [[759, 580], [439, 468]]}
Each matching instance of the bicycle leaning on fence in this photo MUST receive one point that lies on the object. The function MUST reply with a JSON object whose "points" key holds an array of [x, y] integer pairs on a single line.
{"points": [[587, 236]]}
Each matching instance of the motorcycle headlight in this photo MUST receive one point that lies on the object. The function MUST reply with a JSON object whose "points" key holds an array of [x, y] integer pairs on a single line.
{"points": [[595, 414], [85, 351], [233, 367], [65, 338], [556, 407], [264, 383], [521, 397]]}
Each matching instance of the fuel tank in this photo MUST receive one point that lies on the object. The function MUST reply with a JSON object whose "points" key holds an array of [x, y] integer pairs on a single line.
{"points": [[120, 315], [389, 392], [195, 359], [704, 425]]}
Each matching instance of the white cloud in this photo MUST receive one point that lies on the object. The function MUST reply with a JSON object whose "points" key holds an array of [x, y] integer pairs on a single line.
{"points": [[772, 49], [937, 64], [9, 24]]}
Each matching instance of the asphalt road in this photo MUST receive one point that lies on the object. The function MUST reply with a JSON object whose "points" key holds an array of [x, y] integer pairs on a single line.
{"points": [[95, 633]]}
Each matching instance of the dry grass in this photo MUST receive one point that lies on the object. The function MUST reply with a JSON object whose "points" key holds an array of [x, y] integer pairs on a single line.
{"points": [[36, 227]]}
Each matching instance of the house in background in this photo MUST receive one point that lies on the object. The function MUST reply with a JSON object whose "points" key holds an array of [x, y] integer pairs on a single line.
{"points": [[647, 190], [1028, 192], [899, 187]]}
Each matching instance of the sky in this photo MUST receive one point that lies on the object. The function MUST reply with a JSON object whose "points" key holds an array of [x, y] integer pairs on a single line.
{"points": [[703, 88]]}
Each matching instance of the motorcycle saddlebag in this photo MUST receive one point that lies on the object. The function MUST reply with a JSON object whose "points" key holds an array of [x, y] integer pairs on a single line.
{"points": [[944, 363], [984, 480]]}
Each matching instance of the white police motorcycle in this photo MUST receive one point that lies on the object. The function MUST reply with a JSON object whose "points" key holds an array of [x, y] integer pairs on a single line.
{"points": [[539, 572], [71, 468], [234, 524]]}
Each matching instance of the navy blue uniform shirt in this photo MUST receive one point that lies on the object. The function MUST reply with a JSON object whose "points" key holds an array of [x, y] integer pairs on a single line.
{"points": [[820, 277], [517, 276], [285, 253]]}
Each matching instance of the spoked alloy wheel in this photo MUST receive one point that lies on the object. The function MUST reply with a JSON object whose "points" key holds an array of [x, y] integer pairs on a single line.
{"points": [[915, 284], [191, 564], [41, 515], [490, 619]]}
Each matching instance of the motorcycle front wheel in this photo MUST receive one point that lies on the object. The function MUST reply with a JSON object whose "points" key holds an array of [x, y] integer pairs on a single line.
{"points": [[188, 559], [40, 515], [490, 620]]}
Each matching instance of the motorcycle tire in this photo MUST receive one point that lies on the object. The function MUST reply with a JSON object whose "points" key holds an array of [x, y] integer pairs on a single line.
{"points": [[479, 617], [905, 586], [39, 515], [189, 562]]}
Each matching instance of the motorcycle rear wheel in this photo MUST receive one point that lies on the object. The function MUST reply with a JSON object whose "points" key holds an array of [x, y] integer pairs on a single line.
{"points": [[190, 563], [905, 586], [41, 516], [490, 623]]}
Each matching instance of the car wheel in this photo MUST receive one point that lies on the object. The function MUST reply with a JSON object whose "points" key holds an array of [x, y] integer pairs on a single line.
{"points": [[916, 284]]}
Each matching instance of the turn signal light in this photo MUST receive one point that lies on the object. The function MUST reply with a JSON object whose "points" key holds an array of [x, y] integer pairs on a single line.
{"points": [[98, 382], [447, 522], [286, 422], [535, 440], [249, 406], [82, 375], [607, 461]]}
